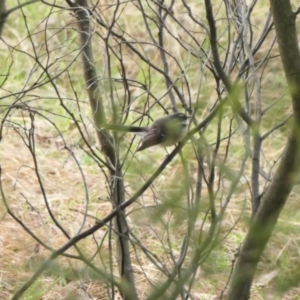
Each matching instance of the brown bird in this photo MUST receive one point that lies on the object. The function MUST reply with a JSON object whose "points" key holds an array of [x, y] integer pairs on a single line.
{"points": [[165, 131]]}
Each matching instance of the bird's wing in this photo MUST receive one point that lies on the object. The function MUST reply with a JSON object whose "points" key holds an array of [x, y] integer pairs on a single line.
{"points": [[153, 137]]}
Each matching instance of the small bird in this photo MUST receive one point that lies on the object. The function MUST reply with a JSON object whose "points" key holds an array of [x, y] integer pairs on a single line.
{"points": [[165, 131]]}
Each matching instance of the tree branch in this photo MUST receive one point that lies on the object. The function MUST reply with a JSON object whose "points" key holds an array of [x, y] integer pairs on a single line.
{"points": [[107, 145], [280, 188], [217, 63]]}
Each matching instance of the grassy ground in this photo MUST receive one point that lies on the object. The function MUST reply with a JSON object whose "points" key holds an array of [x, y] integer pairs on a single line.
{"points": [[62, 177]]}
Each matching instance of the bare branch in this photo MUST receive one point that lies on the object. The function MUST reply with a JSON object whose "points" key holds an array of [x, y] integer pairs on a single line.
{"points": [[283, 181]]}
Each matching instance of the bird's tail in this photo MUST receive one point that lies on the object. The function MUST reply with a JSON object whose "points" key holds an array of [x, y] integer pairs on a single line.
{"points": [[125, 128]]}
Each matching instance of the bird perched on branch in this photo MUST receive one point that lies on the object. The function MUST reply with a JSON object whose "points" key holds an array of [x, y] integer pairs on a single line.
{"points": [[165, 131]]}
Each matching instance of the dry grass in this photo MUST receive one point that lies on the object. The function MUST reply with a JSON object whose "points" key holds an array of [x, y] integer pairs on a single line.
{"points": [[20, 254]]}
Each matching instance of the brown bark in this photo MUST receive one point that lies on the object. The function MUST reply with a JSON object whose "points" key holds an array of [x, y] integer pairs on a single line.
{"points": [[3, 15], [281, 186], [106, 142]]}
